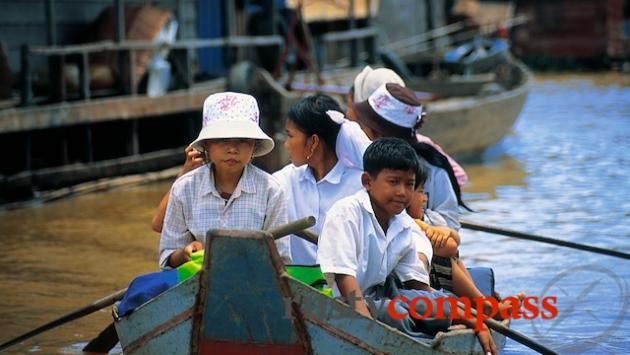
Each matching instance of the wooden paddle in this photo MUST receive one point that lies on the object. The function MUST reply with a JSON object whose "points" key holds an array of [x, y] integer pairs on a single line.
{"points": [[526, 236], [511, 333], [81, 312]]}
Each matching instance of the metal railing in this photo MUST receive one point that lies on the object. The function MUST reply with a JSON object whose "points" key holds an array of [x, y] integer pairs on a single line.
{"points": [[127, 51]]}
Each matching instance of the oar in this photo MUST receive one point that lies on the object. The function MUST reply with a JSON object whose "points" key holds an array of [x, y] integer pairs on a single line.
{"points": [[511, 333], [308, 236], [526, 236], [293, 227], [81, 312]]}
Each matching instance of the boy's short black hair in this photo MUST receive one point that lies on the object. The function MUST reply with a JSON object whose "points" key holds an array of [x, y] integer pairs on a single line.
{"points": [[395, 154]]}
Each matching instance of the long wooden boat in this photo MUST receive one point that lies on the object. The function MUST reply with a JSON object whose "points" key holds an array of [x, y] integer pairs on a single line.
{"points": [[243, 302], [466, 114], [468, 125]]}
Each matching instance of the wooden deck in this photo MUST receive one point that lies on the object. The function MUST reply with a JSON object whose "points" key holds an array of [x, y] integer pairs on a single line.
{"points": [[107, 109]]}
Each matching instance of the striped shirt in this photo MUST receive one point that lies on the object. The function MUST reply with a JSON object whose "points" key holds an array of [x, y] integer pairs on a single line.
{"points": [[195, 206]]}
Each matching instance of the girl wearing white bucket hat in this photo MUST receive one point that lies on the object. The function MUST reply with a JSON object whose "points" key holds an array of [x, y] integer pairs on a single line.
{"points": [[230, 193]]}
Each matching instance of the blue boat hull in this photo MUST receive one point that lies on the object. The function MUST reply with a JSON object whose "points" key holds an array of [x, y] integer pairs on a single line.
{"points": [[243, 302]]}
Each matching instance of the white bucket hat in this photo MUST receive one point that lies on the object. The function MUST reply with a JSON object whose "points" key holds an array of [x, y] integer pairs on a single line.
{"points": [[391, 109], [368, 80], [232, 115]]}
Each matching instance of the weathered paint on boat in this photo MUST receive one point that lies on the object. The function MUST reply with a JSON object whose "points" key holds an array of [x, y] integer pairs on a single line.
{"points": [[243, 302]]}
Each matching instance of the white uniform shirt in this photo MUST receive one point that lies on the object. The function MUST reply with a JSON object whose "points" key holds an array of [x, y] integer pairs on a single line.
{"points": [[307, 197], [195, 206], [353, 243], [352, 143]]}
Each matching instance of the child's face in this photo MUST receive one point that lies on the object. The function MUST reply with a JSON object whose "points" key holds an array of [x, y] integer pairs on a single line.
{"points": [[230, 155], [297, 144], [418, 203], [390, 190]]}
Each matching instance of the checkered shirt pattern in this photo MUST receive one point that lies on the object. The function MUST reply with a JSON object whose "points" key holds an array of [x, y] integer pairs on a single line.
{"points": [[195, 206]]}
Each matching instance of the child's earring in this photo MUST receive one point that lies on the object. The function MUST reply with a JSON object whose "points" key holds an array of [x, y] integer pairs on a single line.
{"points": [[309, 155]]}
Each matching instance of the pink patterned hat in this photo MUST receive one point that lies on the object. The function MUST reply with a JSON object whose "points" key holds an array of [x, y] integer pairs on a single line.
{"points": [[392, 110], [232, 115]]}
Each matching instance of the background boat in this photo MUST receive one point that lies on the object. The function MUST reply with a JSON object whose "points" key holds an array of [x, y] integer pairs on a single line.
{"points": [[467, 125], [466, 114]]}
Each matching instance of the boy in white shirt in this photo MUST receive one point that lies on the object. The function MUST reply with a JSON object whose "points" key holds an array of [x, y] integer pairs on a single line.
{"points": [[368, 239], [368, 236]]}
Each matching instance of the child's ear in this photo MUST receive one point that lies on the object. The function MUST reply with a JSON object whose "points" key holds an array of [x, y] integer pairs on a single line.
{"points": [[315, 139], [366, 180]]}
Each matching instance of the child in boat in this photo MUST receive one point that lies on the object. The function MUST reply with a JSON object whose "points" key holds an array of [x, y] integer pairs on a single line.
{"points": [[366, 82], [315, 179], [448, 272], [394, 111], [367, 236], [229, 192]]}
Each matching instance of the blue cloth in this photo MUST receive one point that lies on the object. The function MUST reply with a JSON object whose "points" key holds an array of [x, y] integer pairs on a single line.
{"points": [[145, 287], [483, 277]]}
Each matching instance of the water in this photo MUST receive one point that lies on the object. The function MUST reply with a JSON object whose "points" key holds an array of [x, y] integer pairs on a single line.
{"points": [[563, 174]]}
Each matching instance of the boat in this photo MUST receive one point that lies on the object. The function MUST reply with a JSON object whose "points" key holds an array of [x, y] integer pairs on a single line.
{"points": [[466, 114], [243, 301], [467, 125]]}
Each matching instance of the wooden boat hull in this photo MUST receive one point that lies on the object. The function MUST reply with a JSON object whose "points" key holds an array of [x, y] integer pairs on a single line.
{"points": [[243, 302], [465, 126], [465, 121]]}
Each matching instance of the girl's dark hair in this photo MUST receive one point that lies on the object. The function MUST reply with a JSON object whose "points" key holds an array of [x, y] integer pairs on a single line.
{"points": [[435, 158], [309, 114], [395, 154]]}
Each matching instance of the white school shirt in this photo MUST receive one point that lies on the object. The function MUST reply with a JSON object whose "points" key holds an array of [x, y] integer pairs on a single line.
{"points": [[307, 197], [195, 206], [353, 243], [352, 143]]}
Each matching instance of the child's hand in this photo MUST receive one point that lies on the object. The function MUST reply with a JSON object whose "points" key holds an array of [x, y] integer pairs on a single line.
{"points": [[423, 226], [486, 341], [194, 159], [192, 247], [437, 235]]}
